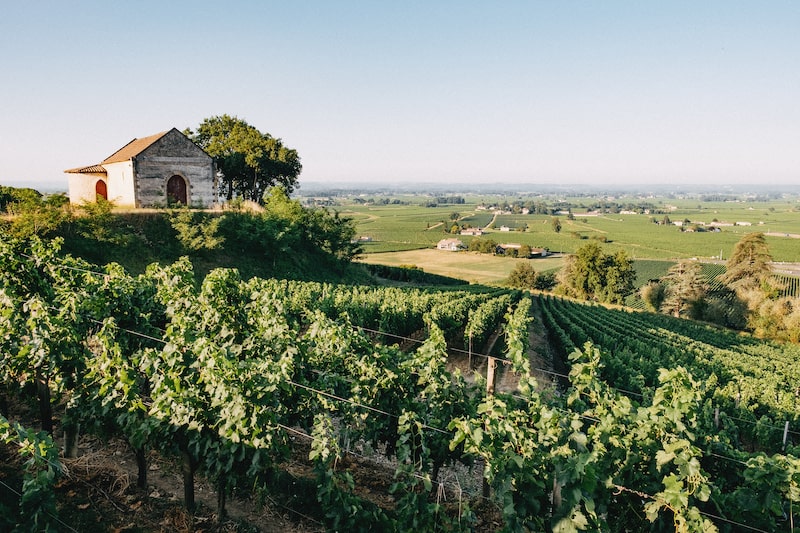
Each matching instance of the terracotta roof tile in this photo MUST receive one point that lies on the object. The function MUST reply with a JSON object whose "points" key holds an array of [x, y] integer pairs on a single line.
{"points": [[133, 148], [91, 169]]}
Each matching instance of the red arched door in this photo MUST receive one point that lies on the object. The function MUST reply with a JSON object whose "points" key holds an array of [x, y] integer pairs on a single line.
{"points": [[176, 190], [101, 190]]}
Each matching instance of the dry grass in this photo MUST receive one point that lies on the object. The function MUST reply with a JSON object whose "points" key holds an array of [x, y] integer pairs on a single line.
{"points": [[470, 266]]}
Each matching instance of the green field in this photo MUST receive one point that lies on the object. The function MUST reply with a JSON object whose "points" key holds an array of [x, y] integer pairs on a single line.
{"points": [[403, 228]]}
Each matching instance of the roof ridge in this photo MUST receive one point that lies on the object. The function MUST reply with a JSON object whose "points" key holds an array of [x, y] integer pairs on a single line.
{"points": [[133, 148]]}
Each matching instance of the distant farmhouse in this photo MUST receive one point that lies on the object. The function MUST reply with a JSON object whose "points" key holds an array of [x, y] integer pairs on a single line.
{"points": [[503, 249], [156, 171], [451, 245]]}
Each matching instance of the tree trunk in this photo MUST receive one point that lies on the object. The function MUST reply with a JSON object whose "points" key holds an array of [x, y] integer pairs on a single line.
{"points": [[71, 432], [188, 481], [141, 465], [222, 495], [45, 408], [4, 407]]}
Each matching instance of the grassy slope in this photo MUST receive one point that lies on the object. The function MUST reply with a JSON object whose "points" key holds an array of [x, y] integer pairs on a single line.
{"points": [[136, 240]]}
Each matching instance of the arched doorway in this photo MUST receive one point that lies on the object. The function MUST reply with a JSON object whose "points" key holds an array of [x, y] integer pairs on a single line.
{"points": [[101, 190], [176, 190]]}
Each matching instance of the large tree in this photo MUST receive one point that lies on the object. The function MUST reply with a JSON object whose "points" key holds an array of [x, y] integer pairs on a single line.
{"points": [[749, 275], [251, 162], [591, 274], [685, 289], [523, 276], [749, 267]]}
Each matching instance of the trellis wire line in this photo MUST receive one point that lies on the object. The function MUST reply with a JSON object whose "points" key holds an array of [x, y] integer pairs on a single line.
{"points": [[622, 488], [485, 356], [370, 408], [323, 393], [54, 517], [440, 430], [793, 432], [298, 513], [715, 517], [69, 267]]}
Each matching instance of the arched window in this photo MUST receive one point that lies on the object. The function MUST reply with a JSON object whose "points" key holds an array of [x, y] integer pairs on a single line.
{"points": [[101, 190], [176, 190]]}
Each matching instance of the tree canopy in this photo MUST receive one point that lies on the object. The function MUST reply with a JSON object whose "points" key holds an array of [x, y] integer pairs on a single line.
{"points": [[523, 276], [749, 266], [251, 162], [592, 275], [685, 288]]}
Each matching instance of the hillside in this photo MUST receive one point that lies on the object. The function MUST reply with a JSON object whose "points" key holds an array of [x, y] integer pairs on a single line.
{"points": [[281, 239], [245, 241]]}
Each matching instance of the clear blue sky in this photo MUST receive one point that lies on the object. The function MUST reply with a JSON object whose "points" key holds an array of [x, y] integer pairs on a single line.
{"points": [[389, 92]]}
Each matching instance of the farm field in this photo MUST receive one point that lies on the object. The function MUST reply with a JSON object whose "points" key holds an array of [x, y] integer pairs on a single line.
{"points": [[469, 266], [639, 237], [402, 228]]}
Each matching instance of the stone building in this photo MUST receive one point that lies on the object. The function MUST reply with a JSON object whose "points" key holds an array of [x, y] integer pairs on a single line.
{"points": [[156, 171], [451, 245]]}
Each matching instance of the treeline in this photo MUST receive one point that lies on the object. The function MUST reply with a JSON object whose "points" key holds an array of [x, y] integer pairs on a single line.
{"points": [[412, 274], [14, 196], [745, 294], [540, 207], [438, 200], [379, 201], [722, 197]]}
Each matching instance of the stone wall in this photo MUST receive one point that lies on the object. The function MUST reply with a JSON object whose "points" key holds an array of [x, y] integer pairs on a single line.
{"points": [[174, 154]]}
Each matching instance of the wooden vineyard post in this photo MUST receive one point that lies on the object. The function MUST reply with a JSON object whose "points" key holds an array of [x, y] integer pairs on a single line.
{"points": [[785, 434], [469, 352], [490, 370]]}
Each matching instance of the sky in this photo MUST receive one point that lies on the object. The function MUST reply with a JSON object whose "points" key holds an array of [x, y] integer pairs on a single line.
{"points": [[387, 92]]}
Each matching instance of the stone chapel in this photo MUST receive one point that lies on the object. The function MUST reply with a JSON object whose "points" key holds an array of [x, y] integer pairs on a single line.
{"points": [[165, 169]]}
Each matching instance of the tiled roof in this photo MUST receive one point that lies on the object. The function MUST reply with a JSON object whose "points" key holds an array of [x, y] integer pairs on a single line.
{"points": [[92, 169], [133, 148]]}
